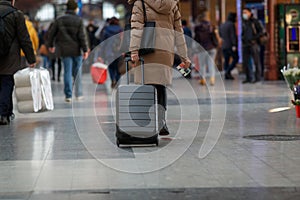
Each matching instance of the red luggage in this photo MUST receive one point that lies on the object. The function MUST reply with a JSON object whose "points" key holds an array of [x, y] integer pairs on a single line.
{"points": [[99, 73]]}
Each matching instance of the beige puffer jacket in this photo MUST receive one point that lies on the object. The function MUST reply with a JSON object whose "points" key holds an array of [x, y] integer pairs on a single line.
{"points": [[169, 34]]}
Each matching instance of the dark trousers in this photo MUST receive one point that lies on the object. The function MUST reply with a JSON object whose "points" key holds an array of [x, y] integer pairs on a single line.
{"points": [[52, 65], [162, 105], [228, 53], [161, 96], [113, 69], [248, 53], [6, 91]]}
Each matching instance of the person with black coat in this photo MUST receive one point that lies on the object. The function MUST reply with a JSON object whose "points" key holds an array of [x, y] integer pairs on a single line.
{"points": [[68, 34], [251, 33], [11, 63], [91, 30], [229, 45], [208, 51]]}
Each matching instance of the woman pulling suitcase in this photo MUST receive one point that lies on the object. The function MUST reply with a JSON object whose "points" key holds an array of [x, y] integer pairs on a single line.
{"points": [[168, 34]]}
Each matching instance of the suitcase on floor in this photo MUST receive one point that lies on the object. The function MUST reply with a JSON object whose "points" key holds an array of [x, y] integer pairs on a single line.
{"points": [[136, 112]]}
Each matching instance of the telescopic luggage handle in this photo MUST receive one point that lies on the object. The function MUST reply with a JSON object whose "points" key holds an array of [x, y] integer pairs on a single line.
{"points": [[128, 59]]}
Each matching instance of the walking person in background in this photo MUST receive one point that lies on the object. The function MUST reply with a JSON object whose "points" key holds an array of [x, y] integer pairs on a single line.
{"points": [[188, 34], [206, 56], [250, 37], [262, 50], [43, 49], [15, 38], [33, 37], [159, 73], [229, 44], [53, 60], [100, 30], [91, 30], [112, 49], [69, 35]]}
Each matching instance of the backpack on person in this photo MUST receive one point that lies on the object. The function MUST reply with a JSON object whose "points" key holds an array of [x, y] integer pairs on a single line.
{"points": [[5, 39]]}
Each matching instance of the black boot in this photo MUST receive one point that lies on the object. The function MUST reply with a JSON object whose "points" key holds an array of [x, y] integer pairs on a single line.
{"points": [[162, 123], [164, 131], [162, 107]]}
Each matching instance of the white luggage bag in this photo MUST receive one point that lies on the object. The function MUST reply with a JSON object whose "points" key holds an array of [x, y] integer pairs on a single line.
{"points": [[33, 90]]}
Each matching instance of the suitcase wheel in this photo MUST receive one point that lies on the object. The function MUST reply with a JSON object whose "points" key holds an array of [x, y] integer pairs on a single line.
{"points": [[118, 143]]}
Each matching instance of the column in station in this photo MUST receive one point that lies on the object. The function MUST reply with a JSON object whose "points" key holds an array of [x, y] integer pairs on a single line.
{"points": [[271, 72]]}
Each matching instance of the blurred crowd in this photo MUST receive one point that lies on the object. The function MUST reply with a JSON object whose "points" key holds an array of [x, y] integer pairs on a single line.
{"points": [[68, 40], [217, 43]]}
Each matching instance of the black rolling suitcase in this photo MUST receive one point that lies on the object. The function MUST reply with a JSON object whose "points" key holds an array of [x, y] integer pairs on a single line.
{"points": [[136, 112]]}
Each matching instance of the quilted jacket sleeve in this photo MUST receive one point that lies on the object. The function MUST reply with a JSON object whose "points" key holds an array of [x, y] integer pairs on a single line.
{"points": [[179, 35], [137, 25]]}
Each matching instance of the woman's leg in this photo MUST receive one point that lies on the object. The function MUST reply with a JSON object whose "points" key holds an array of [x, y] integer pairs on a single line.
{"points": [[211, 65], [202, 57], [162, 108]]}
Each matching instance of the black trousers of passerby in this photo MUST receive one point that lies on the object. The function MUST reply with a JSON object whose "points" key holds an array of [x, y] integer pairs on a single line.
{"points": [[6, 91], [229, 53], [52, 65], [113, 69], [248, 53]]}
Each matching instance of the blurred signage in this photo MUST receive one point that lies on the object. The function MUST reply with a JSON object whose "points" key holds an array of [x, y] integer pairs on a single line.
{"points": [[293, 14], [266, 12]]}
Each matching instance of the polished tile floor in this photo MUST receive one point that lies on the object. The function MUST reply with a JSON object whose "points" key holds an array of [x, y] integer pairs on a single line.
{"points": [[70, 153]]}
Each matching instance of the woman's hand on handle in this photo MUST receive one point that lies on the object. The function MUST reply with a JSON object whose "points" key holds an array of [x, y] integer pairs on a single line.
{"points": [[186, 63], [135, 58]]}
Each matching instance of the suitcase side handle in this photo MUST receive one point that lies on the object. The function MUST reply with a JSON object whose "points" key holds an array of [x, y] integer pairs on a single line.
{"points": [[127, 60]]}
